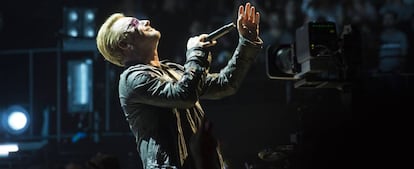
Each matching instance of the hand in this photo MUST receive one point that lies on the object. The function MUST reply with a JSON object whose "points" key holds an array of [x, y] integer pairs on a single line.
{"points": [[248, 22], [198, 41]]}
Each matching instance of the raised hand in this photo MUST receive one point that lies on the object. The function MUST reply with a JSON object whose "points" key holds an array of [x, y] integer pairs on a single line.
{"points": [[248, 22]]}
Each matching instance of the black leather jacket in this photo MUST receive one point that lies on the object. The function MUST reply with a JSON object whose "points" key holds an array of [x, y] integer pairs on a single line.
{"points": [[161, 104]]}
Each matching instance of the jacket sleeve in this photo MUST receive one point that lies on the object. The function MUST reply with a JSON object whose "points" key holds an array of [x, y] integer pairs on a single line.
{"points": [[144, 84], [228, 80]]}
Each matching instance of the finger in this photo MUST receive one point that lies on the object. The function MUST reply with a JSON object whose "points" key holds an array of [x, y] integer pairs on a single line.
{"points": [[257, 18], [241, 10], [210, 43], [247, 10], [240, 19], [253, 14], [214, 42], [203, 37]]}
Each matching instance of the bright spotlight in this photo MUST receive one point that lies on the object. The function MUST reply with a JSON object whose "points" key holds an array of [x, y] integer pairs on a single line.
{"points": [[89, 15], [79, 22], [73, 32], [15, 120], [89, 32], [73, 16], [6, 149], [9, 148]]}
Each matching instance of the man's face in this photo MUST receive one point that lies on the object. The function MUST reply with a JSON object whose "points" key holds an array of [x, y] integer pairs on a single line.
{"points": [[135, 30]]}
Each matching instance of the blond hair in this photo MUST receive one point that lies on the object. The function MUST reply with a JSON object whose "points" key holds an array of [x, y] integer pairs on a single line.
{"points": [[107, 41]]}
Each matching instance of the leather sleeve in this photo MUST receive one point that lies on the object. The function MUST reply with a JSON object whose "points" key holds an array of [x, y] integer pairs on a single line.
{"points": [[147, 84], [228, 80]]}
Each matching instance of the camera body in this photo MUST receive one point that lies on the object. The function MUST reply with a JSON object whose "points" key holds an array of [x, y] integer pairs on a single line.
{"points": [[315, 60]]}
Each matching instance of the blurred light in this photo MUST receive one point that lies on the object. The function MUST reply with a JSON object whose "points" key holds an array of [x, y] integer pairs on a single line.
{"points": [[82, 19], [78, 136], [9, 147], [4, 154], [80, 85], [89, 15], [88, 26], [73, 16], [6, 149], [15, 120], [89, 32], [73, 32]]}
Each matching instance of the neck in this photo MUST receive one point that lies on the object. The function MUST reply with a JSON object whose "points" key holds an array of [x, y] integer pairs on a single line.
{"points": [[155, 60], [149, 56]]}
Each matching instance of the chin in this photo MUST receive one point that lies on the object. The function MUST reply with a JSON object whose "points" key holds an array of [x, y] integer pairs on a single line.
{"points": [[153, 34], [158, 33]]}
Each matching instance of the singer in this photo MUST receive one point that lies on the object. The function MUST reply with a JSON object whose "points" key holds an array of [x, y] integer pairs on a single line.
{"points": [[160, 99]]}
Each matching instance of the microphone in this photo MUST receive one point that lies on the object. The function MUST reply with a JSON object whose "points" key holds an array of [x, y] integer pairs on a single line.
{"points": [[220, 32]]}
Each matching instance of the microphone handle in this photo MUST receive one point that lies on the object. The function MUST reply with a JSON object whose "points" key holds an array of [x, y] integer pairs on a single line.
{"points": [[220, 32]]}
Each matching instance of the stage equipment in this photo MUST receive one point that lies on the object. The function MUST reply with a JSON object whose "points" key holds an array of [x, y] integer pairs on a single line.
{"points": [[15, 120], [319, 57]]}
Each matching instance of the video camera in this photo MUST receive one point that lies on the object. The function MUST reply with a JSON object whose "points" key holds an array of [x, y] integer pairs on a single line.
{"points": [[318, 58]]}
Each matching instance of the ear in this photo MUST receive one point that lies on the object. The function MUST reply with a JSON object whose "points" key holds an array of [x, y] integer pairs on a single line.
{"points": [[124, 45]]}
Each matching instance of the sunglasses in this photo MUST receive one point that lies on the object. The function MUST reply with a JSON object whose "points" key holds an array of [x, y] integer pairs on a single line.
{"points": [[133, 24]]}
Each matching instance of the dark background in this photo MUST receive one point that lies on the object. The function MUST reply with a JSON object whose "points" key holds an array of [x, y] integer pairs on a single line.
{"points": [[333, 129]]}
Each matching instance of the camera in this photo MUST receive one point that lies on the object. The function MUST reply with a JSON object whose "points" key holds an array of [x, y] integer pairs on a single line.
{"points": [[319, 57]]}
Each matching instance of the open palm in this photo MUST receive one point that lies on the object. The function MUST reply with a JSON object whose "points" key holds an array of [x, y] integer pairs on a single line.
{"points": [[248, 22]]}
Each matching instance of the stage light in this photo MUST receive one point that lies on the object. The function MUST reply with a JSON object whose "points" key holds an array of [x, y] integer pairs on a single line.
{"points": [[79, 85], [15, 120], [73, 16], [4, 154], [9, 148], [73, 32], [72, 22], [89, 23], [89, 15], [78, 29], [79, 22], [6, 149], [89, 32]]}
